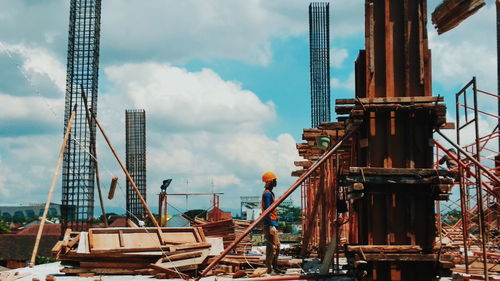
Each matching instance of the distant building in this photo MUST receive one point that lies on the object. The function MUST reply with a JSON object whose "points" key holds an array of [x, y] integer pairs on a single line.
{"points": [[28, 212], [250, 208], [216, 214], [16, 248]]}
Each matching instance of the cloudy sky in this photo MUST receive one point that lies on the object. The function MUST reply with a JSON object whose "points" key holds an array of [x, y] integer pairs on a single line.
{"points": [[225, 86]]}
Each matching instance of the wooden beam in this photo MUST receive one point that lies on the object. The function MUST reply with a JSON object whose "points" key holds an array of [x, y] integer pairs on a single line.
{"points": [[55, 175]]}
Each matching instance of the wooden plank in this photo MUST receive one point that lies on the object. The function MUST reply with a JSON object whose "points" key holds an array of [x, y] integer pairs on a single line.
{"points": [[402, 257], [385, 248], [73, 241], [120, 237], [397, 171], [202, 234], [131, 250], [111, 271], [83, 243], [57, 248], [66, 236], [139, 239], [91, 238], [197, 234], [417, 99], [448, 126], [169, 273], [438, 108], [124, 265], [181, 256], [189, 246]]}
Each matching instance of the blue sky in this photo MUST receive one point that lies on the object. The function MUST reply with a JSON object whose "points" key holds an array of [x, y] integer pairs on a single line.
{"points": [[225, 86]]}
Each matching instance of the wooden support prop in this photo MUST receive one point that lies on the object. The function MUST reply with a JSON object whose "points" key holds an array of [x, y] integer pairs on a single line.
{"points": [[129, 178], [276, 203], [327, 259], [112, 188], [52, 186], [93, 153]]}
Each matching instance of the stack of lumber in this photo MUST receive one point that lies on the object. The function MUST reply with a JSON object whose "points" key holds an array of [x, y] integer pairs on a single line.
{"points": [[451, 13], [166, 252], [235, 263], [229, 230]]}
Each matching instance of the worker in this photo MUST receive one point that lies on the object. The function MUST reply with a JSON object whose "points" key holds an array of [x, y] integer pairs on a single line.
{"points": [[270, 223], [451, 164]]}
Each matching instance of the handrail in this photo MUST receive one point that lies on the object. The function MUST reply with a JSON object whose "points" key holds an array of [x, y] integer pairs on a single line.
{"points": [[462, 164], [493, 177]]}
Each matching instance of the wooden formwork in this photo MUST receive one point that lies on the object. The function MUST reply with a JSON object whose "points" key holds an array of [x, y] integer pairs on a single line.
{"points": [[321, 222], [394, 206]]}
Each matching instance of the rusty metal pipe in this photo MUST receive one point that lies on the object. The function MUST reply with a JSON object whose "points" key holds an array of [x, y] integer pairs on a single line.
{"points": [[276, 203], [492, 176]]}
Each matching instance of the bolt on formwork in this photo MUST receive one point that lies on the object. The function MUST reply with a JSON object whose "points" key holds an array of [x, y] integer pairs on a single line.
{"points": [[78, 170], [319, 40], [135, 145]]}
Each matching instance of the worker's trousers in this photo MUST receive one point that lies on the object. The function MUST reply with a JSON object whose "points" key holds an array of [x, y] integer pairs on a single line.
{"points": [[272, 247]]}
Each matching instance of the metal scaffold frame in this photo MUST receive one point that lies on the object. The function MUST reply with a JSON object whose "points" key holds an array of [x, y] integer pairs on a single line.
{"points": [[319, 40], [478, 227], [78, 170], [135, 147]]}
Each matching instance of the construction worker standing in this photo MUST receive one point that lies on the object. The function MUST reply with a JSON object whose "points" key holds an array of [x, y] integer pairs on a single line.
{"points": [[270, 223]]}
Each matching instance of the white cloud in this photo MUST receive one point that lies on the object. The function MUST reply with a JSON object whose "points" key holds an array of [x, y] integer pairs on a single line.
{"points": [[467, 50], [37, 60], [200, 129], [347, 84], [338, 57], [200, 100], [179, 31]]}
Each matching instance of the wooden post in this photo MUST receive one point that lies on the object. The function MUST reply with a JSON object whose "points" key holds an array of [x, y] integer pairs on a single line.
{"points": [[129, 178], [52, 186], [93, 153]]}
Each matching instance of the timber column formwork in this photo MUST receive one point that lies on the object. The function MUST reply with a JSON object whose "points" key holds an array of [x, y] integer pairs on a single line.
{"points": [[393, 188], [78, 173], [135, 143]]}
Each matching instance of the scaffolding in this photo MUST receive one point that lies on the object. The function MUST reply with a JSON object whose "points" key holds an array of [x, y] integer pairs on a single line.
{"points": [[135, 143], [78, 170], [471, 218], [319, 40]]}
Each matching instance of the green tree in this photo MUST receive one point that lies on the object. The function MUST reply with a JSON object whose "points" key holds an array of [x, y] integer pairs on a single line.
{"points": [[4, 227], [290, 214], [452, 216], [196, 213]]}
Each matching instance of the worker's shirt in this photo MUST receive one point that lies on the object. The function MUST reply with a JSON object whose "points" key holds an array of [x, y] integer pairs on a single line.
{"points": [[268, 199]]}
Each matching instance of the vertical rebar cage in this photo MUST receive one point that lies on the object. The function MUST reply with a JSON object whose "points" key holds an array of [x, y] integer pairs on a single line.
{"points": [[135, 142], [78, 172], [319, 40]]}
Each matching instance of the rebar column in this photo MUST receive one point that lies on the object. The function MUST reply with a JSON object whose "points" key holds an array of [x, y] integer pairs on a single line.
{"points": [[135, 145], [319, 40], [78, 172]]}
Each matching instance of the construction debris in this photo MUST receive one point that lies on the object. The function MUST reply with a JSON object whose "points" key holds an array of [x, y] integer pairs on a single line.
{"points": [[133, 251], [229, 230], [168, 253]]}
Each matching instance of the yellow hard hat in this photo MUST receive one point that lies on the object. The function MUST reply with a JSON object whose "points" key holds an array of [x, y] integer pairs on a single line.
{"points": [[269, 176]]}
